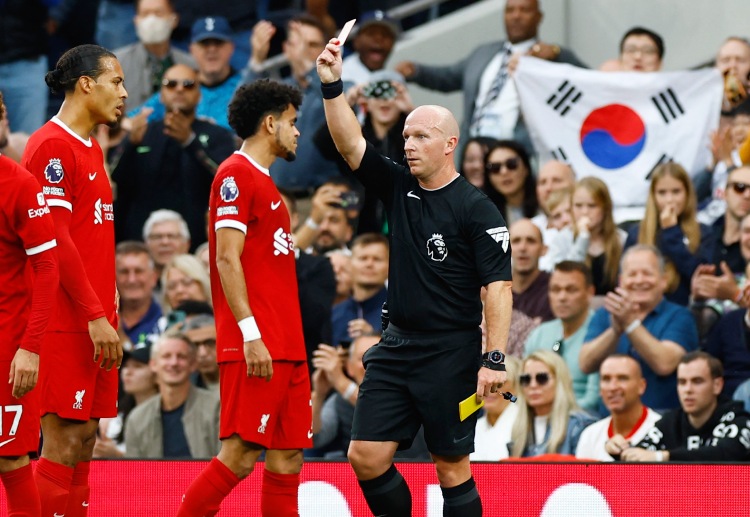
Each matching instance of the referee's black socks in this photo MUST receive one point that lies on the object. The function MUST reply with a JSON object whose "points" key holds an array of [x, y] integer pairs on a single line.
{"points": [[462, 500], [388, 495]]}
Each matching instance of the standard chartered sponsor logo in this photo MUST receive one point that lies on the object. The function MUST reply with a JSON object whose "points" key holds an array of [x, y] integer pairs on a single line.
{"points": [[282, 242]]}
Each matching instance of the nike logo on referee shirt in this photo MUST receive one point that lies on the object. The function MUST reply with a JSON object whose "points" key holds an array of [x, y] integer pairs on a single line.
{"points": [[412, 194]]}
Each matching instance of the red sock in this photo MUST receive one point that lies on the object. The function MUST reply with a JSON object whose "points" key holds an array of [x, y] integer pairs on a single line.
{"points": [[278, 496], [78, 500], [53, 481], [21, 492], [204, 495]]}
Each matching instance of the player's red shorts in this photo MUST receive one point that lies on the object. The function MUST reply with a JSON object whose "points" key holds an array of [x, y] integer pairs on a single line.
{"points": [[19, 419], [275, 414], [72, 385]]}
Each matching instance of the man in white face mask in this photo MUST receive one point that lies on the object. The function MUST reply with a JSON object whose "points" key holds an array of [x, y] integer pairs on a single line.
{"points": [[146, 61]]}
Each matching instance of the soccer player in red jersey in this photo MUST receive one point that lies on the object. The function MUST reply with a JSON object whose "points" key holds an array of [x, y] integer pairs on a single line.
{"points": [[264, 384], [27, 236], [77, 379]]}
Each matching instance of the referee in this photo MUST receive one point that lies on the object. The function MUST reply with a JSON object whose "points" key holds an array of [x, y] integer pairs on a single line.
{"points": [[447, 241]]}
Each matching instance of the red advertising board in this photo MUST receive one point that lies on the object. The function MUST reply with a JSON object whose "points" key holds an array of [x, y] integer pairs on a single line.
{"points": [[155, 488]]}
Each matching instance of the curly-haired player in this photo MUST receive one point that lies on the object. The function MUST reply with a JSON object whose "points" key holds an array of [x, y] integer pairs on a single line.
{"points": [[264, 383]]}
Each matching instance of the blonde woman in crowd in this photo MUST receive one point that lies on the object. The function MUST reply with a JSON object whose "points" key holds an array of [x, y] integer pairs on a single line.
{"points": [[549, 421], [670, 224], [185, 278], [595, 239]]}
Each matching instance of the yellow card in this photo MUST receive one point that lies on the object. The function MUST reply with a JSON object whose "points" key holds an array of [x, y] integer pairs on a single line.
{"points": [[468, 406]]}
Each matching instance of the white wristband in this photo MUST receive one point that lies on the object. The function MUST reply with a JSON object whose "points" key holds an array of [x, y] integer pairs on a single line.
{"points": [[249, 328], [633, 325], [312, 224], [350, 390], [659, 456]]}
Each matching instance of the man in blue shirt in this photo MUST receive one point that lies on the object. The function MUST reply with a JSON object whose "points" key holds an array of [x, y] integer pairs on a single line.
{"points": [[571, 288], [359, 314], [638, 321]]}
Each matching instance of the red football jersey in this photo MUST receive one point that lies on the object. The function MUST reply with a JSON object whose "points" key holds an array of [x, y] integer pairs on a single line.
{"points": [[26, 229], [244, 197], [71, 172]]}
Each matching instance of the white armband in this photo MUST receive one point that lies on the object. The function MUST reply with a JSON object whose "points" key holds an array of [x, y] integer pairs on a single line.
{"points": [[249, 328]]}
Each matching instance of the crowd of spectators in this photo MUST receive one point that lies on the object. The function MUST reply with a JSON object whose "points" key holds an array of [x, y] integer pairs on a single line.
{"points": [[607, 318]]}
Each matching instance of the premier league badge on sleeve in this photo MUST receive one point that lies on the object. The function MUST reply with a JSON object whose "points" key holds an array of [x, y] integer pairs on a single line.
{"points": [[54, 171], [229, 191]]}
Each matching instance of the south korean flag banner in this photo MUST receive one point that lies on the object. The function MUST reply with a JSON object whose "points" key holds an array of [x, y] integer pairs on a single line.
{"points": [[618, 126]]}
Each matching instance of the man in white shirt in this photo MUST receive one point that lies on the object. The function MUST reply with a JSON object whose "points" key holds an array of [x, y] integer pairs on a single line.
{"points": [[491, 104], [621, 385]]}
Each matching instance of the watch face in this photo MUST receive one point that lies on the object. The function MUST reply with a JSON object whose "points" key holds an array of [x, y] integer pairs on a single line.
{"points": [[496, 356]]}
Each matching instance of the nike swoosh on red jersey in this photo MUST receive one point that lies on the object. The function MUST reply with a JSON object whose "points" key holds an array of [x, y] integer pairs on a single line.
{"points": [[6, 442]]}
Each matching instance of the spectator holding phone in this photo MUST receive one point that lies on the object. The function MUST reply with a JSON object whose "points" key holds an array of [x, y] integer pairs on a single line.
{"points": [[383, 103]]}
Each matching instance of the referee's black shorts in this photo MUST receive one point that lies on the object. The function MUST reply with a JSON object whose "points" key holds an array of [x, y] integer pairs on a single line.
{"points": [[419, 378]]}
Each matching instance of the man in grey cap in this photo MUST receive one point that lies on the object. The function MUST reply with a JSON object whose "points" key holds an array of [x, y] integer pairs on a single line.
{"points": [[212, 47], [201, 331]]}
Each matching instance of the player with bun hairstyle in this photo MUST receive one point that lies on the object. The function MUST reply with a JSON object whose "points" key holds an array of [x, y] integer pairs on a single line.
{"points": [[78, 384]]}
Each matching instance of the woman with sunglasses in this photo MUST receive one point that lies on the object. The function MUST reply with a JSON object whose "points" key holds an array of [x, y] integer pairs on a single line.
{"points": [[670, 224], [594, 238], [473, 159], [509, 181], [549, 420]]}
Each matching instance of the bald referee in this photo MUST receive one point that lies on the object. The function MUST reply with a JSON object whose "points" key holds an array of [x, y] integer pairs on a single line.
{"points": [[447, 242]]}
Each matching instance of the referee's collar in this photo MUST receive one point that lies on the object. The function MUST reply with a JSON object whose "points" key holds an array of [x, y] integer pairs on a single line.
{"points": [[441, 187]]}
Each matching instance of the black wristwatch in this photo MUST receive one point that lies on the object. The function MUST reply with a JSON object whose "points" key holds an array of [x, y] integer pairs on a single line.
{"points": [[494, 360]]}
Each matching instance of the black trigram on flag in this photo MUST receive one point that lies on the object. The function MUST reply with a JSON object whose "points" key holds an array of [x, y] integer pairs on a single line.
{"points": [[559, 155], [664, 158], [668, 105], [564, 97]]}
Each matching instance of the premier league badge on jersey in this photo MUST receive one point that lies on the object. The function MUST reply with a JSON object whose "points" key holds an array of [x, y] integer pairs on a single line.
{"points": [[436, 248], [54, 171], [229, 191]]}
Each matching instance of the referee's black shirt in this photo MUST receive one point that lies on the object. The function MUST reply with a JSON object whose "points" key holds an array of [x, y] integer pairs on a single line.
{"points": [[445, 245]]}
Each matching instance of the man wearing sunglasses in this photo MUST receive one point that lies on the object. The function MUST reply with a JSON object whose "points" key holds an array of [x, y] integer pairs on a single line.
{"points": [[170, 163]]}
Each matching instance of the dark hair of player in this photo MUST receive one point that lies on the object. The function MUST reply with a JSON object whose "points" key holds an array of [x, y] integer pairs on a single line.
{"points": [[252, 102], [80, 61]]}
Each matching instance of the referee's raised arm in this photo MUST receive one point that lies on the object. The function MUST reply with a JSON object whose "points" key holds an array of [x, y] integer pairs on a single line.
{"points": [[342, 123]]}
